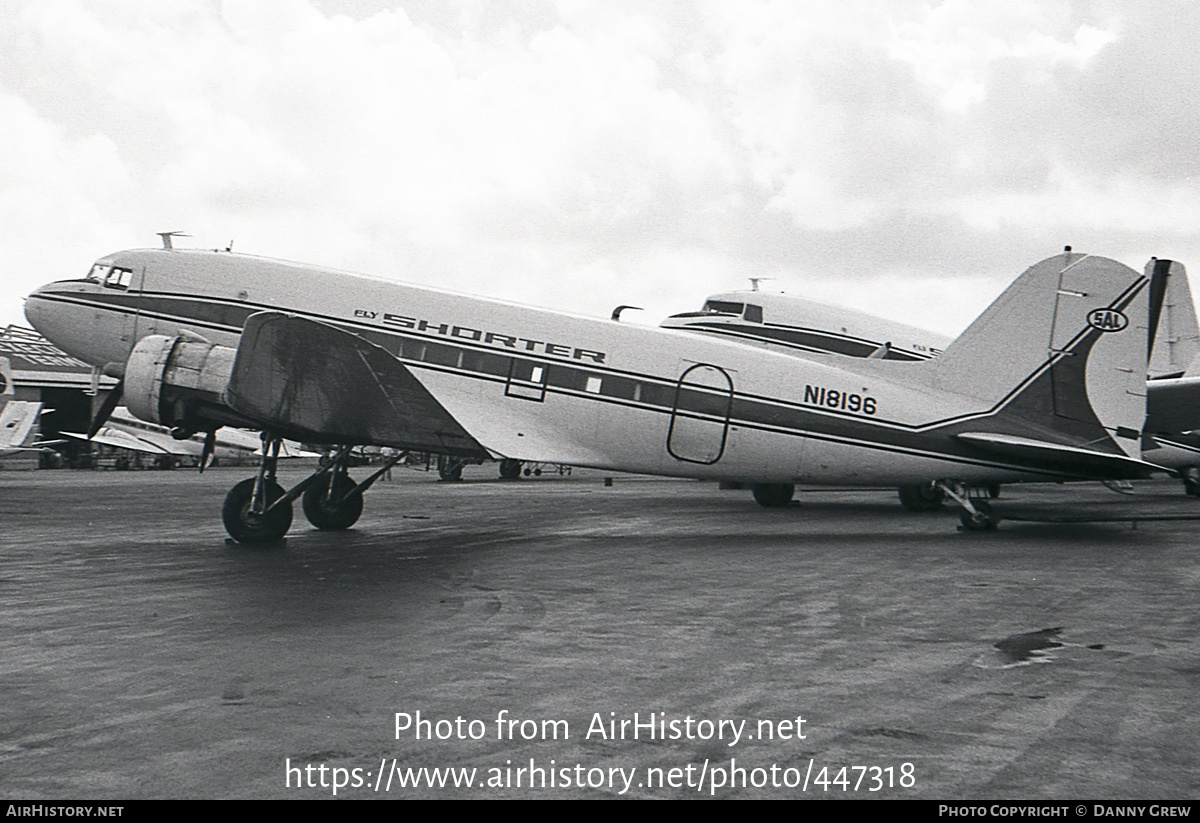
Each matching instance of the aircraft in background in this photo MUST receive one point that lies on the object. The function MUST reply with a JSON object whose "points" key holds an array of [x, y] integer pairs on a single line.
{"points": [[802, 326], [1047, 384], [124, 431], [18, 418]]}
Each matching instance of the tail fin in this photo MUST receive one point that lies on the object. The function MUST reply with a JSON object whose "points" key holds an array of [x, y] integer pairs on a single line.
{"points": [[6, 379], [17, 421], [1176, 342], [1061, 355]]}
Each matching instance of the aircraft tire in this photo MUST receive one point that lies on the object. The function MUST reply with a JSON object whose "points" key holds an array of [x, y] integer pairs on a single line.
{"points": [[510, 469], [245, 527], [449, 468], [925, 497], [983, 521], [773, 495], [334, 517]]}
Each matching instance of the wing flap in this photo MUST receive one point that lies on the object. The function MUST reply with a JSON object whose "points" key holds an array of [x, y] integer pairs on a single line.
{"points": [[314, 382]]}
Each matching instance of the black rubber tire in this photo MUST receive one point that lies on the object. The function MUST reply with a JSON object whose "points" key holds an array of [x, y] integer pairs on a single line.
{"points": [[773, 495], [984, 521], [332, 517], [925, 497], [510, 469], [449, 468], [245, 527]]}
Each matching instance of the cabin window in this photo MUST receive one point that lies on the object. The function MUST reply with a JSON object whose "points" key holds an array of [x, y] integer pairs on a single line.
{"points": [[440, 355], [753, 313], [593, 384]]}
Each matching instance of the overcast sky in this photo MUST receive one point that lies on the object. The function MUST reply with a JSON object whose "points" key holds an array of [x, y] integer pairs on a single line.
{"points": [[905, 158]]}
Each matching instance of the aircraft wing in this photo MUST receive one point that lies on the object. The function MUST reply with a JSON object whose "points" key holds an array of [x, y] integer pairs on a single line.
{"points": [[1173, 404], [112, 437], [1070, 459], [317, 383]]}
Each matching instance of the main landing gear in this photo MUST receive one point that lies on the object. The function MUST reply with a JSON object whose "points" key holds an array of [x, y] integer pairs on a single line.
{"points": [[258, 510], [774, 495], [926, 497], [1191, 480]]}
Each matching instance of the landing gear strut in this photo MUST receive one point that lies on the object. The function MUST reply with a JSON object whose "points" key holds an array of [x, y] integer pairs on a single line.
{"points": [[976, 515]]}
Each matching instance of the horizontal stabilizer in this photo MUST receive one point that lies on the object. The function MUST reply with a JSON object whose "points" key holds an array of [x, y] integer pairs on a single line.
{"points": [[314, 382], [1070, 460]]}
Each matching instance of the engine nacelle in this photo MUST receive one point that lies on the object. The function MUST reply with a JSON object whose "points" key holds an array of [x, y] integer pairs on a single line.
{"points": [[174, 381]]}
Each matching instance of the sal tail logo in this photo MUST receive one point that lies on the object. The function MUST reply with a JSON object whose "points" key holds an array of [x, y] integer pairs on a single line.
{"points": [[1107, 320]]}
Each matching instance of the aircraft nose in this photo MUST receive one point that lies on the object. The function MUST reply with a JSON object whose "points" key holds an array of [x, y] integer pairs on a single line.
{"points": [[35, 310], [65, 323], [41, 314]]}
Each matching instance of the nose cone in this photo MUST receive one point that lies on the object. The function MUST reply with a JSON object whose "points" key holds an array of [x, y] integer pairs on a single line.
{"points": [[65, 320], [38, 312]]}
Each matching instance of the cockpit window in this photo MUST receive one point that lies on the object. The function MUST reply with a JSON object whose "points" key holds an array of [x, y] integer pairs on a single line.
{"points": [[723, 307], [118, 278], [99, 272], [753, 313]]}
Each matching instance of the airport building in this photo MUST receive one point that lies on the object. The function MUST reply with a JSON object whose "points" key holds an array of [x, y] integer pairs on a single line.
{"points": [[43, 373]]}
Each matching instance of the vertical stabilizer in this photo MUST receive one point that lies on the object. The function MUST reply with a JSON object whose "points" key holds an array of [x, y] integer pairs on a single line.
{"points": [[6, 379], [1061, 355], [1176, 342]]}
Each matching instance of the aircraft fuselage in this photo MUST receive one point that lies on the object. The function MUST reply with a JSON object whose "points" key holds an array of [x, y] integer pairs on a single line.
{"points": [[546, 386]]}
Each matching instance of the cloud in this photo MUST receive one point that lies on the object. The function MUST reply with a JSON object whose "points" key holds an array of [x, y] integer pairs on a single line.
{"points": [[581, 154]]}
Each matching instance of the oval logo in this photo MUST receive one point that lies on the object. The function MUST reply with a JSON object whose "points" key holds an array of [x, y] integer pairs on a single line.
{"points": [[1107, 319]]}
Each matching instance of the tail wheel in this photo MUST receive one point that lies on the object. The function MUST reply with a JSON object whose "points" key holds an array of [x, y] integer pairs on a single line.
{"points": [[982, 521], [773, 495], [926, 497], [244, 525], [330, 508]]}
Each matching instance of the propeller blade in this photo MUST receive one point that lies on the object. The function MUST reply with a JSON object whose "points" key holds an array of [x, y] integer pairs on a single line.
{"points": [[106, 408], [210, 446]]}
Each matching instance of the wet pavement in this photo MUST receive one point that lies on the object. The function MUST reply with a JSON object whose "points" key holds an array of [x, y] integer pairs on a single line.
{"points": [[854, 649]]}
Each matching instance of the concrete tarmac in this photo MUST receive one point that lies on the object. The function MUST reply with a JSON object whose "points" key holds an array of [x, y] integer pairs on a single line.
{"points": [[838, 648]]}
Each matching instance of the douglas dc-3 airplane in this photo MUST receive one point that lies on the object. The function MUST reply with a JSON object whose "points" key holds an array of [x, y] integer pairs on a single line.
{"points": [[1049, 382], [799, 325]]}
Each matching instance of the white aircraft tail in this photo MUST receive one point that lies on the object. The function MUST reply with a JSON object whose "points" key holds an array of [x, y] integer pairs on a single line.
{"points": [[1176, 342], [17, 421], [1060, 358], [6, 379]]}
